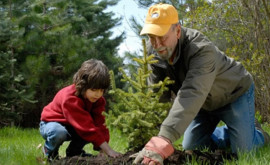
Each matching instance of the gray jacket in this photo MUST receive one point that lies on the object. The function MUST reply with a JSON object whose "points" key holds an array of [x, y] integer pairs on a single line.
{"points": [[205, 78]]}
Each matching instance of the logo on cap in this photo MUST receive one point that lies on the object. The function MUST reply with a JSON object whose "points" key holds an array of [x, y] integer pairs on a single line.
{"points": [[155, 15]]}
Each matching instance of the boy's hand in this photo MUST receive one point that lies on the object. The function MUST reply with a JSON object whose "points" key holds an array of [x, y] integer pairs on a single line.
{"points": [[114, 154], [110, 152], [102, 154]]}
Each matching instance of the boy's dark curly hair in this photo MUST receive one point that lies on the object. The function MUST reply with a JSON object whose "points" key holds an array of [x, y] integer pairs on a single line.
{"points": [[93, 74]]}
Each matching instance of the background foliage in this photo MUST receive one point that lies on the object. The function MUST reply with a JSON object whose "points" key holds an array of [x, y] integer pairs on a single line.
{"points": [[43, 42]]}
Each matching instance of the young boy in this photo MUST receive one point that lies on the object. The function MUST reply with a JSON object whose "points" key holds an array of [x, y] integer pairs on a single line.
{"points": [[75, 114]]}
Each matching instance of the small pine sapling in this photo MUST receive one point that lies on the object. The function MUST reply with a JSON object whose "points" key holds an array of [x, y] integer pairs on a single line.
{"points": [[138, 112]]}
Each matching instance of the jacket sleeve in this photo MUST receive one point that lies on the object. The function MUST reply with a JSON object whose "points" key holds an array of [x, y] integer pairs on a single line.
{"points": [[82, 121], [192, 94]]}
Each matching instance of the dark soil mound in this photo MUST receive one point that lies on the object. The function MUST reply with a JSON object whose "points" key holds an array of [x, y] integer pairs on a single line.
{"points": [[178, 158]]}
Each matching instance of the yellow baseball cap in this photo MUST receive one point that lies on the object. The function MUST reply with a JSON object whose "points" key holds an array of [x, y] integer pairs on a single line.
{"points": [[159, 19]]}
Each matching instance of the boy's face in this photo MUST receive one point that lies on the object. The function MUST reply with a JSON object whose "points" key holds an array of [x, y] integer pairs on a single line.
{"points": [[93, 94]]}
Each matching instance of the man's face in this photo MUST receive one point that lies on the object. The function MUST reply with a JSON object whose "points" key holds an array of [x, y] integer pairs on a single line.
{"points": [[165, 45]]}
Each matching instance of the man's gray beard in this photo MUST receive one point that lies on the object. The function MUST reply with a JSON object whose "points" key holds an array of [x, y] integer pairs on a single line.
{"points": [[166, 56]]}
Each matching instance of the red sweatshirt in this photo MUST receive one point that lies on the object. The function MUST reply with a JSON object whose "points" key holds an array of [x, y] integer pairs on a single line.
{"points": [[85, 117]]}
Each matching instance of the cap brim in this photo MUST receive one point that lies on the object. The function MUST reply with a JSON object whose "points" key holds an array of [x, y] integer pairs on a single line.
{"points": [[158, 30]]}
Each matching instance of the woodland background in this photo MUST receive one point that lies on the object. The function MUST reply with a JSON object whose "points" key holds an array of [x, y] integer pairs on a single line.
{"points": [[44, 42]]}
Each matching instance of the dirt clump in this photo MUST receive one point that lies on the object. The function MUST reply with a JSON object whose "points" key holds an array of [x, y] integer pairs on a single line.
{"points": [[178, 158]]}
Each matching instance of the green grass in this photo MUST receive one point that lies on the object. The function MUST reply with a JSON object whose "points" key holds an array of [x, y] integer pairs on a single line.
{"points": [[20, 147]]}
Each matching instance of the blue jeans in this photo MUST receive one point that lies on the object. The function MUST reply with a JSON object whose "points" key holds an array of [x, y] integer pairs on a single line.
{"points": [[56, 133], [239, 133]]}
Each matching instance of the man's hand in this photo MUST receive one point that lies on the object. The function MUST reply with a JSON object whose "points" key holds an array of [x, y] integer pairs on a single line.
{"points": [[155, 151]]}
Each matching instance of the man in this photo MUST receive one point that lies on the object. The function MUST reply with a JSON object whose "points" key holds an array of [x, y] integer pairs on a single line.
{"points": [[209, 87]]}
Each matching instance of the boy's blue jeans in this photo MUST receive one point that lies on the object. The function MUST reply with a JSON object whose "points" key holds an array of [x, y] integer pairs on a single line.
{"points": [[239, 133], [56, 133]]}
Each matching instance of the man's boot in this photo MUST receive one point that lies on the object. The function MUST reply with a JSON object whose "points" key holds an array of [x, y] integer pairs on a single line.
{"points": [[265, 134]]}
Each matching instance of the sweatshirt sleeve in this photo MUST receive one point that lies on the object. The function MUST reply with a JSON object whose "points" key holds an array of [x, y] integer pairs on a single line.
{"points": [[82, 121]]}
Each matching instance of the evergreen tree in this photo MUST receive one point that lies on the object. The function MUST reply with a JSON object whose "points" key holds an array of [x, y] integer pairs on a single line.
{"points": [[49, 39], [14, 91], [137, 112]]}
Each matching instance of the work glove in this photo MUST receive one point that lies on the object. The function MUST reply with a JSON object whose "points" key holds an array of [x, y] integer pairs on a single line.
{"points": [[155, 151]]}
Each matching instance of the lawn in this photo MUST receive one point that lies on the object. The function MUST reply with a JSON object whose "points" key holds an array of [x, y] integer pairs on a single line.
{"points": [[22, 147]]}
